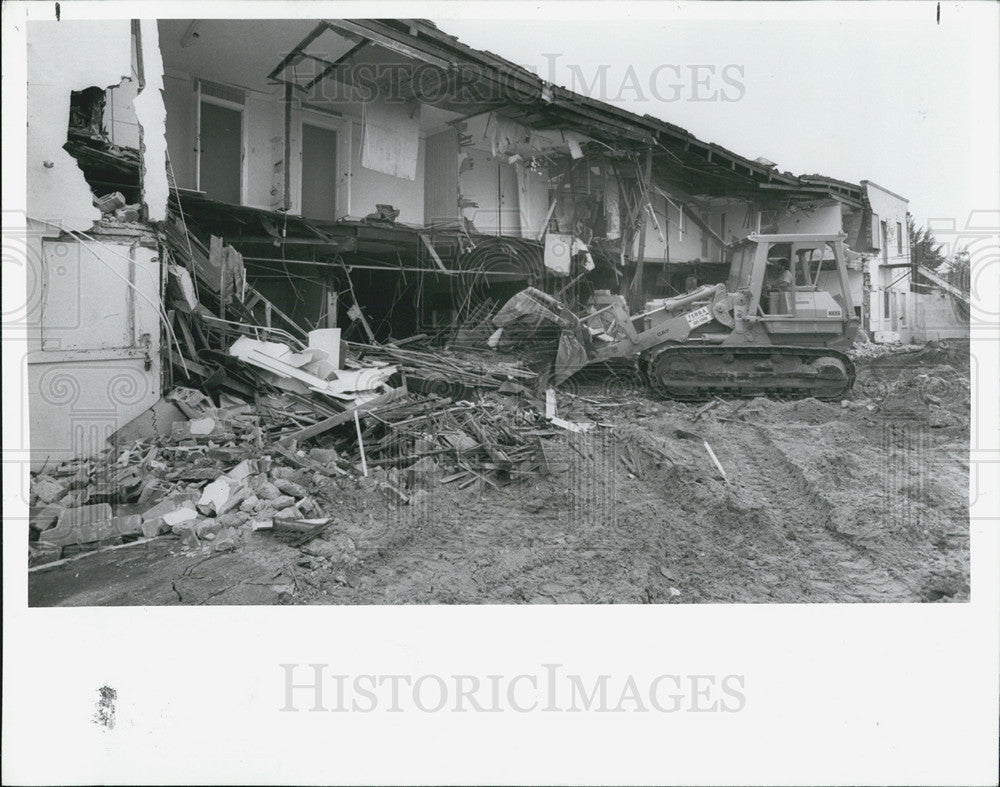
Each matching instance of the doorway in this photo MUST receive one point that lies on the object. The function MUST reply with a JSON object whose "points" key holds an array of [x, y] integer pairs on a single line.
{"points": [[319, 172], [220, 137]]}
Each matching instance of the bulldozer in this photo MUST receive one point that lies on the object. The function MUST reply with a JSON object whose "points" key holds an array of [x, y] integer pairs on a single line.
{"points": [[779, 326]]}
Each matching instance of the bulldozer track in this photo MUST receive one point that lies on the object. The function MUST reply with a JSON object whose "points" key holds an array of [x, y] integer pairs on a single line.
{"points": [[697, 373]]}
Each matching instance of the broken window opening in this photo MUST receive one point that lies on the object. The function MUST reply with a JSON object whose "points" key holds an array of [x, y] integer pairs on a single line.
{"points": [[86, 113]]}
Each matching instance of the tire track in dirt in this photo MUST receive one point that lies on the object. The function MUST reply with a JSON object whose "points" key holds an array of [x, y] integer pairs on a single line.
{"points": [[830, 561]]}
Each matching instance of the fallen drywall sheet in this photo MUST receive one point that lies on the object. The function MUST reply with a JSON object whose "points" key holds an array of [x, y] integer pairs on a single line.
{"points": [[391, 138], [152, 116], [63, 57]]}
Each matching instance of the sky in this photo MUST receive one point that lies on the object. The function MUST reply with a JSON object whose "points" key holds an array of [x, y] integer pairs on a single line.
{"points": [[885, 93]]}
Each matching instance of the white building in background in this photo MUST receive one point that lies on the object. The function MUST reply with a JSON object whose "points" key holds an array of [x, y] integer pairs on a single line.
{"points": [[888, 266]]}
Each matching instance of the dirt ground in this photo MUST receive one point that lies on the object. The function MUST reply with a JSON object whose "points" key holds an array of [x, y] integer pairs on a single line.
{"points": [[860, 501]]}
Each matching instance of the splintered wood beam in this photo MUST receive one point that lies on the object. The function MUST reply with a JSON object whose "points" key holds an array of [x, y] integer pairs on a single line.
{"points": [[433, 252]]}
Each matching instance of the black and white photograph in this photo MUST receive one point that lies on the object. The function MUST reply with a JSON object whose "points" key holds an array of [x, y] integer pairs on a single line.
{"points": [[461, 309]]}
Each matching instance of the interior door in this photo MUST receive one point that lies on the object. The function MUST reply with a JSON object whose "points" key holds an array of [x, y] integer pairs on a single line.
{"points": [[319, 172], [221, 151]]}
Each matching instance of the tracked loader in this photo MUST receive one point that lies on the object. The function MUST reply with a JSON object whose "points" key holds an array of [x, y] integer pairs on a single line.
{"points": [[779, 325]]}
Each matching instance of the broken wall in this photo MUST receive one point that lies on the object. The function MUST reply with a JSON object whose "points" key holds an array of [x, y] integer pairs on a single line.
{"points": [[63, 57], [92, 318], [68, 56]]}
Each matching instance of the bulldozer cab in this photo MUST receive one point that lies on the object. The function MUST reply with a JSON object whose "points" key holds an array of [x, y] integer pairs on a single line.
{"points": [[794, 283]]}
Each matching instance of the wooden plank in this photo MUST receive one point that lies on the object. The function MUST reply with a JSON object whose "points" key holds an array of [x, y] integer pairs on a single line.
{"points": [[348, 415], [434, 254]]}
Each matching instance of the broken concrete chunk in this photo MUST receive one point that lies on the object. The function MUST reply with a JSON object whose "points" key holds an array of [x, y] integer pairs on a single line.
{"points": [[44, 517], [251, 504], [201, 426], [109, 203], [83, 525], [127, 214], [189, 539], [324, 456], [179, 516], [309, 507], [288, 513], [80, 479], [168, 504], [127, 525], [289, 487], [208, 529], [241, 471], [151, 528], [268, 491], [225, 540], [193, 403], [46, 488], [75, 498], [215, 495], [233, 519], [283, 501], [261, 524]]}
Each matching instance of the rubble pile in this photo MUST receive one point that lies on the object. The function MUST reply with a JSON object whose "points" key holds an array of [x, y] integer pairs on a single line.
{"points": [[219, 477]]}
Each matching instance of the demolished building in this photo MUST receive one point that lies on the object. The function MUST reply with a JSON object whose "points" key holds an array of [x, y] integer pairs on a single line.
{"points": [[199, 183]]}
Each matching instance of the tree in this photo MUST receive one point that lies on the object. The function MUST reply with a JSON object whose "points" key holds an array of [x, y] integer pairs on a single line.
{"points": [[924, 248]]}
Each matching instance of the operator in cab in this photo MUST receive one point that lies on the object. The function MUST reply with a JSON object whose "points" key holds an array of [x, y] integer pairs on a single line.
{"points": [[779, 274]]}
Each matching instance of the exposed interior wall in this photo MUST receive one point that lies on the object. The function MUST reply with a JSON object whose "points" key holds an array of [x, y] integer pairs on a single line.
{"points": [[491, 183], [62, 57], [359, 188], [823, 218], [370, 188], [532, 199], [177, 97], [687, 241], [441, 177], [119, 114]]}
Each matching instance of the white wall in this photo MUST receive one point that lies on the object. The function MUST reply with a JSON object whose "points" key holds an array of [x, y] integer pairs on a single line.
{"points": [[93, 340], [934, 316], [61, 58], [369, 188], [891, 209], [685, 237]]}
